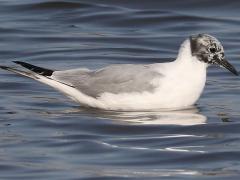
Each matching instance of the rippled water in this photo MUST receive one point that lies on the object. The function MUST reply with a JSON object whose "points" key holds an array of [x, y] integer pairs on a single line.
{"points": [[43, 135]]}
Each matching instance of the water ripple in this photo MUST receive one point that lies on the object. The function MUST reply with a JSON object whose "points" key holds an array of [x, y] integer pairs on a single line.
{"points": [[43, 135]]}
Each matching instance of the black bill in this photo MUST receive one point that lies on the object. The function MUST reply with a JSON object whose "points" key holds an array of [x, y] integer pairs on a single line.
{"points": [[224, 63]]}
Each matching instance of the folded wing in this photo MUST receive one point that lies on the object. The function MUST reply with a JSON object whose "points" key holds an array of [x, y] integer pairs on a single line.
{"points": [[114, 79]]}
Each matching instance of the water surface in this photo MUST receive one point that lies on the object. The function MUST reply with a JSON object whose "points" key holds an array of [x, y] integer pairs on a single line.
{"points": [[43, 135]]}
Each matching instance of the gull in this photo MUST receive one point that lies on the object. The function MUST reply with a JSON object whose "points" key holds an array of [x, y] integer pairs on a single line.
{"points": [[172, 85]]}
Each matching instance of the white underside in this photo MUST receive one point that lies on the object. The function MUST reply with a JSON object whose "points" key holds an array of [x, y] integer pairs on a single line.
{"points": [[182, 84]]}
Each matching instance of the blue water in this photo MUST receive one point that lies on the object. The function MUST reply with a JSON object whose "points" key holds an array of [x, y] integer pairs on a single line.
{"points": [[44, 135]]}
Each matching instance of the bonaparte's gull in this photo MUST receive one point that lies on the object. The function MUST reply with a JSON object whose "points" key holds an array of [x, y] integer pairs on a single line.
{"points": [[173, 85]]}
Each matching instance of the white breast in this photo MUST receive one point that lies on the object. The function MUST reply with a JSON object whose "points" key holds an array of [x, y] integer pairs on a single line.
{"points": [[182, 85]]}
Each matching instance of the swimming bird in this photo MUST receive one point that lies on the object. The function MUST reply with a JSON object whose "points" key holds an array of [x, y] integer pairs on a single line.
{"points": [[172, 85]]}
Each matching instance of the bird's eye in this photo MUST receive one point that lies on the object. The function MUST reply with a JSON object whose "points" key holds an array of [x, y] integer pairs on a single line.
{"points": [[212, 50]]}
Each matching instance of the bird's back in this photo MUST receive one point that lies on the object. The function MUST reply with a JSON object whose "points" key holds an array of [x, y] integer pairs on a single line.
{"points": [[114, 79]]}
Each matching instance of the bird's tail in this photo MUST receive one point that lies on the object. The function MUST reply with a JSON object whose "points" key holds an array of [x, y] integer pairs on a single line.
{"points": [[38, 73], [45, 76], [34, 72], [36, 69], [17, 71]]}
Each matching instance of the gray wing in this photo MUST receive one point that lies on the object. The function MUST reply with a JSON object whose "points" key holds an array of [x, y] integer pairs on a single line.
{"points": [[113, 79]]}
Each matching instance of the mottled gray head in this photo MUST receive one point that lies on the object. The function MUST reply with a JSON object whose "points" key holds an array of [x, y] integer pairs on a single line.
{"points": [[209, 50]]}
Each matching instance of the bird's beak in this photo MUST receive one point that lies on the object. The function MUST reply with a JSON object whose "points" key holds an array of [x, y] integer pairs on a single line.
{"points": [[224, 63]]}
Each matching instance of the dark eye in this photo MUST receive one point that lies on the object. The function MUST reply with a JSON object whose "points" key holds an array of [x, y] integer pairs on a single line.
{"points": [[212, 50]]}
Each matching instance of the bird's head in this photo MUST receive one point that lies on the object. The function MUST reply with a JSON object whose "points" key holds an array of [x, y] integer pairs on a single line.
{"points": [[209, 50]]}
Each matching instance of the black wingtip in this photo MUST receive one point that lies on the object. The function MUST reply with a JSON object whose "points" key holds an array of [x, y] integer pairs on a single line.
{"points": [[36, 69], [4, 67], [17, 62]]}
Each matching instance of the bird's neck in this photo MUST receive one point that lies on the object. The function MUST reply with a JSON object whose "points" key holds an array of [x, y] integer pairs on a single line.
{"points": [[184, 51], [185, 57], [187, 76]]}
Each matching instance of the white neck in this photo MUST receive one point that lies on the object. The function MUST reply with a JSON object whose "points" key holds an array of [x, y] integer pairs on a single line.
{"points": [[187, 77], [184, 50], [186, 59], [185, 54]]}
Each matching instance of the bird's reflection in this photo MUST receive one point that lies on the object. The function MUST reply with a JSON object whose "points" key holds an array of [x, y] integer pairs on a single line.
{"points": [[185, 117]]}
